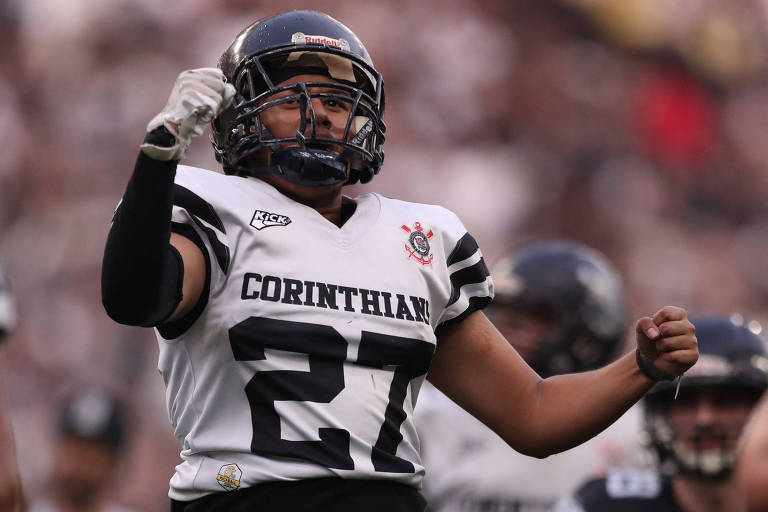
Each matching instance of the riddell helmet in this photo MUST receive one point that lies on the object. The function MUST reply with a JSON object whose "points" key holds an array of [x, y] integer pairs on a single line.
{"points": [[578, 289], [7, 308], [732, 355], [279, 47]]}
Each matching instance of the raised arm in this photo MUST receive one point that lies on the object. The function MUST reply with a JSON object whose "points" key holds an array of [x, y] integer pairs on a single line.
{"points": [[150, 276], [477, 368]]}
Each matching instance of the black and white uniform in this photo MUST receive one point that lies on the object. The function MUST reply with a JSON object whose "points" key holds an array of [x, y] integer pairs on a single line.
{"points": [[625, 491], [305, 357]]}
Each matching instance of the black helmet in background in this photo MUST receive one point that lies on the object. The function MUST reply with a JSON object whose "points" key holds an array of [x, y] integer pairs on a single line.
{"points": [[732, 363], [578, 289], [275, 49]]}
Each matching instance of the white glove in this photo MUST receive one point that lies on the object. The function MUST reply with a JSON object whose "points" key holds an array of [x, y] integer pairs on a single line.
{"points": [[197, 97]]}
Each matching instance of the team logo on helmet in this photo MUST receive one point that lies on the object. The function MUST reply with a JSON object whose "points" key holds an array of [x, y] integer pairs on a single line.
{"points": [[418, 243], [229, 476], [302, 38]]}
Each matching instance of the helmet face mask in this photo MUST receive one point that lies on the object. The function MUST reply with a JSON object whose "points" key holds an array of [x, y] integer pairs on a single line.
{"points": [[260, 64], [697, 433]]}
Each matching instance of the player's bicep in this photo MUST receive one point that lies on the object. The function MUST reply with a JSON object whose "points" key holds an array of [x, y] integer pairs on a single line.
{"points": [[479, 370], [193, 277]]}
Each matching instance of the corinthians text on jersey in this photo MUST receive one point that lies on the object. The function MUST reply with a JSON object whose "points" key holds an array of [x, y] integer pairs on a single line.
{"points": [[335, 296]]}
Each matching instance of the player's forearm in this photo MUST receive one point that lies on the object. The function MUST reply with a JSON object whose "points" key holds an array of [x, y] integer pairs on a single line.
{"points": [[141, 272], [570, 409]]}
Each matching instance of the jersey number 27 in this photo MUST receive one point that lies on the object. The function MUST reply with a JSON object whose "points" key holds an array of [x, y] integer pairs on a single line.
{"points": [[326, 349]]}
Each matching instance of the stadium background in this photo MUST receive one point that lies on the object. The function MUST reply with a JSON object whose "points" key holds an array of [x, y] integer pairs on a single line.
{"points": [[636, 126]]}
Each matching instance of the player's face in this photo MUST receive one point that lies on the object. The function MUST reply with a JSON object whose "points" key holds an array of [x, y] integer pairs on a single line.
{"points": [[331, 114], [82, 471], [710, 420]]}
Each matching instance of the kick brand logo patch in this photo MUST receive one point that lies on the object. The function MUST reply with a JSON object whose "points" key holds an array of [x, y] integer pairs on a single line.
{"points": [[262, 219], [418, 246]]}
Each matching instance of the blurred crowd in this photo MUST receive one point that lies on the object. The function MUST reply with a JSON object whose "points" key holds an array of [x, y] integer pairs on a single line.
{"points": [[635, 126]]}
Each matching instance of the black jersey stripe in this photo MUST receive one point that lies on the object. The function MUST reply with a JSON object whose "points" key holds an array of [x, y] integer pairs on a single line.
{"points": [[475, 304], [472, 274], [175, 328], [465, 247], [198, 208]]}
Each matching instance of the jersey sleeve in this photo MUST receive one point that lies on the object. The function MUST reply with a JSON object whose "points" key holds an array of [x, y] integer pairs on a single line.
{"points": [[196, 218], [471, 286]]}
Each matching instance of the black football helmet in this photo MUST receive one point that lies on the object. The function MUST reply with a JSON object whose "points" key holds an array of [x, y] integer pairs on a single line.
{"points": [[7, 307], [578, 289], [732, 356], [274, 49], [94, 415]]}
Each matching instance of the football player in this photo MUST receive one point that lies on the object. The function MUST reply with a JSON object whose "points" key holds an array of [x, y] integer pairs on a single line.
{"points": [[694, 436], [10, 481], [561, 305], [90, 434], [295, 324]]}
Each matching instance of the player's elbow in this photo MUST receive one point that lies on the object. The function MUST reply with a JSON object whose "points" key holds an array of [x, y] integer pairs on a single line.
{"points": [[536, 451], [126, 305]]}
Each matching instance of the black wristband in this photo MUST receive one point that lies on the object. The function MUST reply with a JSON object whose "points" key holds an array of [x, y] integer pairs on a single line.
{"points": [[160, 137], [650, 370]]}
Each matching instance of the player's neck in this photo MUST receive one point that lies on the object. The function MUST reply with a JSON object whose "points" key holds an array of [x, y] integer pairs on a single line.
{"points": [[697, 495], [326, 199]]}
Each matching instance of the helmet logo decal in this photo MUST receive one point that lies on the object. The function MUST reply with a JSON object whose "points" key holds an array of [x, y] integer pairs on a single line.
{"points": [[301, 38], [418, 243], [262, 219]]}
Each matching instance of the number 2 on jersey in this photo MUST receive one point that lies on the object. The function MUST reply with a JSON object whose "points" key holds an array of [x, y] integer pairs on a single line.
{"points": [[326, 349]]}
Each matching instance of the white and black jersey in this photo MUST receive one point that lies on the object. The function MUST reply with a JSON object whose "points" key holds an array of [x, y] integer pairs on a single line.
{"points": [[626, 490], [306, 354]]}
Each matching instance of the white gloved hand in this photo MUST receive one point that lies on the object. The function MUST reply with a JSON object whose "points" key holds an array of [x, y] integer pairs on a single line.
{"points": [[198, 96]]}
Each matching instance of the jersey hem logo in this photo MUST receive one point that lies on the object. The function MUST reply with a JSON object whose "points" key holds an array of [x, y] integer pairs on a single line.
{"points": [[418, 246], [262, 219], [229, 476]]}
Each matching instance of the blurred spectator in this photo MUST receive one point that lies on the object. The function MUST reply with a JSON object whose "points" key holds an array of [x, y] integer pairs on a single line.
{"points": [[694, 435], [561, 305], [90, 436]]}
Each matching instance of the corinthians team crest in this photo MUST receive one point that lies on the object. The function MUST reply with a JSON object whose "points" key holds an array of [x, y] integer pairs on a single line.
{"points": [[418, 243]]}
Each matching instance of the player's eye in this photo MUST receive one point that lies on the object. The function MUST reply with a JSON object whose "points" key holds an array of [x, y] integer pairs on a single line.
{"points": [[336, 104]]}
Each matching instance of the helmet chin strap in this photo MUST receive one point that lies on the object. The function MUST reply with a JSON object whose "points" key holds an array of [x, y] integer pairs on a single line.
{"points": [[309, 166]]}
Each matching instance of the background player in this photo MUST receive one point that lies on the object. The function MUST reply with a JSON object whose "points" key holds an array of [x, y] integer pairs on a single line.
{"points": [[296, 325], [90, 434], [695, 435], [561, 305]]}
